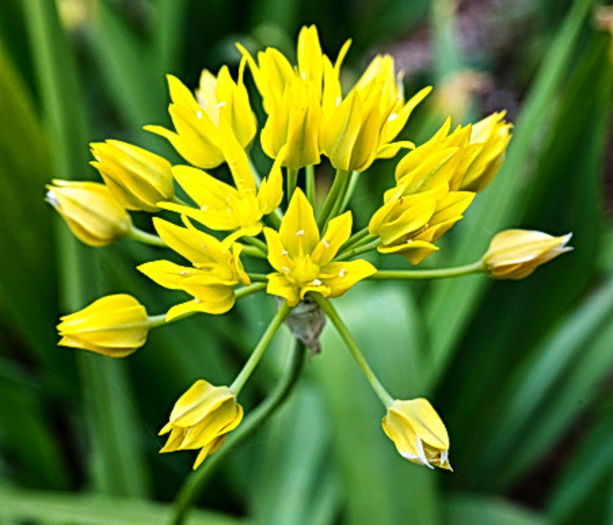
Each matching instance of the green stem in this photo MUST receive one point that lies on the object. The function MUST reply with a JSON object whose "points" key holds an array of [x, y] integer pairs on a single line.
{"points": [[258, 277], [261, 245], [358, 250], [337, 185], [337, 209], [249, 290], [275, 218], [157, 320], [179, 200], [439, 273], [356, 239], [144, 237], [345, 334], [310, 184], [253, 252], [353, 182], [291, 180], [197, 481], [260, 348], [254, 171]]}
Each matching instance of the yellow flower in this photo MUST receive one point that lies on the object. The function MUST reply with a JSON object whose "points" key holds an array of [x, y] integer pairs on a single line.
{"points": [[364, 125], [221, 101], [294, 121], [515, 254], [479, 152], [303, 260], [90, 210], [222, 206], [293, 98], [423, 205], [115, 326], [136, 177], [418, 433], [493, 133], [216, 269], [201, 419]]}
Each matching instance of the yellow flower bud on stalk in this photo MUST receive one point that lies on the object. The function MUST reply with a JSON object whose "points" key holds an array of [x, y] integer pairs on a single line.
{"points": [[515, 254], [115, 326], [418, 433], [92, 213], [197, 121], [201, 419], [137, 178]]}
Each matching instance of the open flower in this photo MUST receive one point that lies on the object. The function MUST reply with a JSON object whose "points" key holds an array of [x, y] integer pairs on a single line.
{"points": [[423, 205], [515, 254], [303, 260], [221, 206], [92, 213], [216, 269], [114, 325], [137, 178], [294, 98], [201, 419], [418, 432], [220, 101]]}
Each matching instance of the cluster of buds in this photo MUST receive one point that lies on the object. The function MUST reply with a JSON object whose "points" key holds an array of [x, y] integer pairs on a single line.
{"points": [[309, 243]]}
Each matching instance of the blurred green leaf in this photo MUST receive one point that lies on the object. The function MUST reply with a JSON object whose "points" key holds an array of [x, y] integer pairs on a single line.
{"points": [[452, 302], [468, 509], [564, 362], [130, 67], [61, 508], [27, 235], [292, 463], [57, 78], [590, 466]]}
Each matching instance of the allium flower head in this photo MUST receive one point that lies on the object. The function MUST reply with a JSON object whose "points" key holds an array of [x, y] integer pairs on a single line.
{"points": [[240, 233]]}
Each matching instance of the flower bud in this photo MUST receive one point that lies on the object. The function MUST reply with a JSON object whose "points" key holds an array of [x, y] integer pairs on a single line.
{"points": [[515, 254], [418, 433], [201, 419], [137, 178], [115, 326], [90, 210]]}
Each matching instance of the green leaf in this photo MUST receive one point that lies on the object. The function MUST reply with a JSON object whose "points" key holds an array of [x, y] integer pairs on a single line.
{"points": [[453, 302], [130, 69], [534, 415], [57, 81], [468, 509], [26, 229], [578, 485], [292, 462], [56, 507]]}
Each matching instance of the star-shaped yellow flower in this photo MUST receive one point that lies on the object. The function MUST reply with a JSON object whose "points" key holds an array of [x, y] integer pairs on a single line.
{"points": [[225, 207], [304, 260]]}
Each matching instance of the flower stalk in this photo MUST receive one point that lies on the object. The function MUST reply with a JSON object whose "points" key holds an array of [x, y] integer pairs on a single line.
{"points": [[340, 179], [260, 349], [439, 273], [194, 484], [136, 234], [359, 358]]}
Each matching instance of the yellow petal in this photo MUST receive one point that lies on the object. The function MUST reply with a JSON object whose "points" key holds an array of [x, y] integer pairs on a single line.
{"points": [[299, 233], [340, 276], [337, 232], [279, 285]]}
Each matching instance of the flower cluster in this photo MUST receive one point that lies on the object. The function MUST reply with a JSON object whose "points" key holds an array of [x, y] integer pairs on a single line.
{"points": [[306, 237]]}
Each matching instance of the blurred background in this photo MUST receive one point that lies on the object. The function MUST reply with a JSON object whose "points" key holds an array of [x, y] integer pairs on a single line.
{"points": [[520, 371]]}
